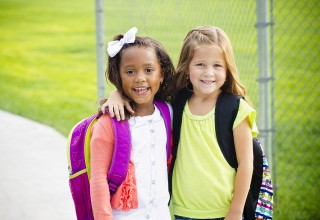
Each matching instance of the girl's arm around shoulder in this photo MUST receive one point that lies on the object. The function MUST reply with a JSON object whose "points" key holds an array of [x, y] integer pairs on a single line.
{"points": [[101, 151], [115, 105], [244, 150]]}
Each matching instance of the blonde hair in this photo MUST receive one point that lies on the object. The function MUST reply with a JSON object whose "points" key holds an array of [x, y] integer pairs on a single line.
{"points": [[209, 35]]}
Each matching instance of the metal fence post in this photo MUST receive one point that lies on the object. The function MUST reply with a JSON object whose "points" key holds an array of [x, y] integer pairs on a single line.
{"points": [[100, 49], [264, 77]]}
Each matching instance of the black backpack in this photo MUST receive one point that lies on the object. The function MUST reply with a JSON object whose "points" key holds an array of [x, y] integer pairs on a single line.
{"points": [[259, 203]]}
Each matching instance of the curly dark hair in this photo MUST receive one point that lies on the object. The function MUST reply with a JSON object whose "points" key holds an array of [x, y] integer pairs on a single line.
{"points": [[167, 88]]}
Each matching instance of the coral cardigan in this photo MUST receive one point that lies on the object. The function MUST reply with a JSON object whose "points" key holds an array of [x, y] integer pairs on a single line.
{"points": [[102, 146]]}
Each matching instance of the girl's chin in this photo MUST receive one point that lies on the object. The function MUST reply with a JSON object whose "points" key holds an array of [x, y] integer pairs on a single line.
{"points": [[142, 100], [208, 89]]}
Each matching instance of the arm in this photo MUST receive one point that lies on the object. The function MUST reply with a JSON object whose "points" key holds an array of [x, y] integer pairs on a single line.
{"points": [[244, 150], [101, 151], [116, 104]]}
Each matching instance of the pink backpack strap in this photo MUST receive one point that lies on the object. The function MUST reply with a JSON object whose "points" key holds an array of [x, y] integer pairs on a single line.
{"points": [[165, 112], [121, 156]]}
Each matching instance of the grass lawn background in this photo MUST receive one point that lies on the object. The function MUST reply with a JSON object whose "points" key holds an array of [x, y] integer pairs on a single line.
{"points": [[48, 69]]}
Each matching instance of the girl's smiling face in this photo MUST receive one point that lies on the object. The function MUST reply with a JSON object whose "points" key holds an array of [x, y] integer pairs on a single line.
{"points": [[207, 70], [140, 74]]}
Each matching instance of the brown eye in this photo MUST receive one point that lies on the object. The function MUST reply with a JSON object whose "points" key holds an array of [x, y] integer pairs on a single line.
{"points": [[200, 65], [130, 72], [149, 70]]}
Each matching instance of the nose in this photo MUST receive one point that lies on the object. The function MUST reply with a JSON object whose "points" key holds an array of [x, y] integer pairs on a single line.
{"points": [[209, 71], [140, 77]]}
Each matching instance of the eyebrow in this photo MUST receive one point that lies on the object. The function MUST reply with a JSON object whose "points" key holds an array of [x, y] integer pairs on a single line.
{"points": [[128, 66], [202, 61], [144, 65]]}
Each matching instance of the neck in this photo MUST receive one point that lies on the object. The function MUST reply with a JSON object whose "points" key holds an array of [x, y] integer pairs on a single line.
{"points": [[202, 104], [144, 110], [205, 97]]}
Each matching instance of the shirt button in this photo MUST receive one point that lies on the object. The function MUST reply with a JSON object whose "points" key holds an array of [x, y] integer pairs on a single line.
{"points": [[153, 181], [151, 130], [153, 163], [148, 217]]}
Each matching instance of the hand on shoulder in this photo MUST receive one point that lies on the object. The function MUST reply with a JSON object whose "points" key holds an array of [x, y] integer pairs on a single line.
{"points": [[116, 105]]}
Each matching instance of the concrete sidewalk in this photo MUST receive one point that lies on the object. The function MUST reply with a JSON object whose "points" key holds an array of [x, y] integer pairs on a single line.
{"points": [[33, 171]]}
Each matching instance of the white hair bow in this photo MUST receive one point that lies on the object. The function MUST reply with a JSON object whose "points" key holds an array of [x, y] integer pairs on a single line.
{"points": [[115, 46]]}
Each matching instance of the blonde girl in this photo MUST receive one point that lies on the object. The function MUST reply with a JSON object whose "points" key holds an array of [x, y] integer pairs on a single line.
{"points": [[204, 185]]}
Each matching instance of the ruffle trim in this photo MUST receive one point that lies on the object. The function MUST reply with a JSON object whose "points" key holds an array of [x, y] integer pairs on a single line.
{"points": [[126, 197]]}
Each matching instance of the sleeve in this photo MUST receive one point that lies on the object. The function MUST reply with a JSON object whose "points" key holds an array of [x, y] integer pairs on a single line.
{"points": [[246, 111], [101, 151]]}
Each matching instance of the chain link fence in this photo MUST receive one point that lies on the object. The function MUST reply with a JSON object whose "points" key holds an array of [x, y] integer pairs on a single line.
{"points": [[296, 67], [293, 62]]}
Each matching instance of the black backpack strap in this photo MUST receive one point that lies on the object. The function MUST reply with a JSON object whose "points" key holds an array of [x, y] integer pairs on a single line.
{"points": [[177, 108], [225, 113], [256, 180]]}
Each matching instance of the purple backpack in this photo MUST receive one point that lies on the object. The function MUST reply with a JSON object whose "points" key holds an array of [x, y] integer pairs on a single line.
{"points": [[78, 155]]}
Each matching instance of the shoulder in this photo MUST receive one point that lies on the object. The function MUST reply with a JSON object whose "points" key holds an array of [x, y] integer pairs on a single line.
{"points": [[180, 101], [102, 137], [162, 106], [182, 96], [161, 103], [105, 119], [244, 106], [246, 112], [103, 125], [228, 99]]}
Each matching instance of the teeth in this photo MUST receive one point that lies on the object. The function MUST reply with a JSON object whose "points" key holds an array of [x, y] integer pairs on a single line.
{"points": [[207, 82], [140, 89]]}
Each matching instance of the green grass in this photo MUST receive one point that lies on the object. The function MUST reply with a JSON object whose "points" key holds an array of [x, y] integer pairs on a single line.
{"points": [[48, 69], [48, 61]]}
